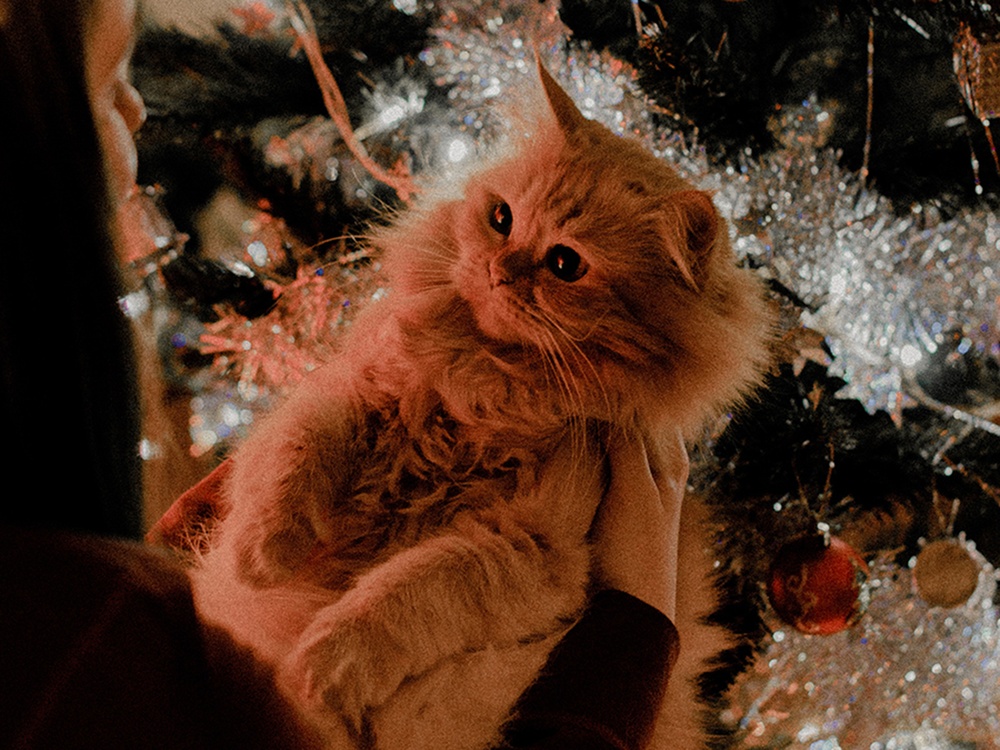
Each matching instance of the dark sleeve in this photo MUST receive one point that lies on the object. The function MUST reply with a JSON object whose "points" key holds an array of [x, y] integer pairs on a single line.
{"points": [[602, 686], [102, 649]]}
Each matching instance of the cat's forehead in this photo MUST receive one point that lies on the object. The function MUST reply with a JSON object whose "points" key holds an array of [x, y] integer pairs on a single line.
{"points": [[537, 170], [589, 186], [572, 182]]}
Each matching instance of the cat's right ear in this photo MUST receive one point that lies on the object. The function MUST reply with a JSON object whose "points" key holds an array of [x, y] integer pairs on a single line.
{"points": [[693, 228], [563, 108]]}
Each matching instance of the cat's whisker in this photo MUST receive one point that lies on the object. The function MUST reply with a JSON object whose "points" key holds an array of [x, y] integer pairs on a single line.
{"points": [[572, 371], [431, 271], [439, 259], [550, 367], [572, 397], [580, 338], [440, 254], [551, 376], [385, 207], [436, 265], [341, 239], [568, 390], [580, 444], [582, 357], [447, 251], [590, 331]]}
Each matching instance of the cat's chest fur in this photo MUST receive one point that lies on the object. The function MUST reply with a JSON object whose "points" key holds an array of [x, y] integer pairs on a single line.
{"points": [[414, 481], [411, 466]]}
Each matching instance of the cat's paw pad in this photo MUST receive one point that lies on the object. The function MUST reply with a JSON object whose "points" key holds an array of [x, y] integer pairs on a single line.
{"points": [[347, 667]]}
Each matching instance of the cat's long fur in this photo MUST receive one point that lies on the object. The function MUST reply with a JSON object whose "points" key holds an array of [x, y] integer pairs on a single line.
{"points": [[407, 534]]}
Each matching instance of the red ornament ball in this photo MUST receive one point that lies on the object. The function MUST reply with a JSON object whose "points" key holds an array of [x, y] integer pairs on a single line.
{"points": [[818, 584]]}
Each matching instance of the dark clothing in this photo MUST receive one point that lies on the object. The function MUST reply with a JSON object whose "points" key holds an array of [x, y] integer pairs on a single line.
{"points": [[101, 648], [603, 685]]}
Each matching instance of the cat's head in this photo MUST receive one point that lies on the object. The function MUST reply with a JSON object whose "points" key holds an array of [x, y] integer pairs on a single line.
{"points": [[594, 257]]}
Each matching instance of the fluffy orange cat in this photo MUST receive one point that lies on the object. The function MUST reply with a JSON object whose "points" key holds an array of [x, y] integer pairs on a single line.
{"points": [[407, 534]]}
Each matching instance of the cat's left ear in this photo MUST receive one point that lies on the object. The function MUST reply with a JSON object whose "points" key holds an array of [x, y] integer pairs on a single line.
{"points": [[563, 108]]}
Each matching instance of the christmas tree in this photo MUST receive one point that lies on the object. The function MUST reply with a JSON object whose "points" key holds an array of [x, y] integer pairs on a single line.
{"points": [[849, 145]]}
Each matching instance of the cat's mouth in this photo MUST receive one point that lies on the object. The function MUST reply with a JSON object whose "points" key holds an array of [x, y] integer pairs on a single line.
{"points": [[504, 315]]}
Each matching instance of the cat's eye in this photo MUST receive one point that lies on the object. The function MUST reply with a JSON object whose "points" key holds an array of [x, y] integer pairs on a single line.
{"points": [[501, 218], [565, 263]]}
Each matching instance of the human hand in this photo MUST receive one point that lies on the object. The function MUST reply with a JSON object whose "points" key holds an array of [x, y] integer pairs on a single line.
{"points": [[636, 530]]}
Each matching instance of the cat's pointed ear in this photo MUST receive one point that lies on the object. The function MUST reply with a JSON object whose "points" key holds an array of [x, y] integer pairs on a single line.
{"points": [[695, 232], [566, 114]]}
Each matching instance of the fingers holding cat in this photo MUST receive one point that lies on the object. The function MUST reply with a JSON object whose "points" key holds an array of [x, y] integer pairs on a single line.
{"points": [[636, 530]]}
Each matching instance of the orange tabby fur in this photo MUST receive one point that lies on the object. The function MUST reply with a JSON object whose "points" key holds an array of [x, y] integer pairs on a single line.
{"points": [[407, 534]]}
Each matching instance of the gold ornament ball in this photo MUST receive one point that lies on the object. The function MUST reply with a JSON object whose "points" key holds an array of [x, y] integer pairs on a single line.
{"points": [[945, 573]]}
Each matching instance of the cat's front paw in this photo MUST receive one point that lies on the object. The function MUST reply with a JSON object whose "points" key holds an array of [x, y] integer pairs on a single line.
{"points": [[344, 665]]}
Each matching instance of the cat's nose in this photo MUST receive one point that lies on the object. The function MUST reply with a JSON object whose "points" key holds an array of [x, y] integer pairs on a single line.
{"points": [[499, 275], [508, 268]]}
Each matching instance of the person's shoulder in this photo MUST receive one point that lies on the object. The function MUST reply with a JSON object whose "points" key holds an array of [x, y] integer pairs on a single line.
{"points": [[57, 562]]}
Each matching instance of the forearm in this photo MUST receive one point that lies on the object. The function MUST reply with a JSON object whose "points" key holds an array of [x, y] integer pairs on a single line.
{"points": [[603, 685]]}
